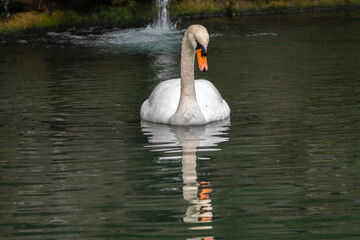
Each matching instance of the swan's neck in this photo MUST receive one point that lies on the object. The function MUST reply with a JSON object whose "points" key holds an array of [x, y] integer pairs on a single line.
{"points": [[188, 111], [187, 72]]}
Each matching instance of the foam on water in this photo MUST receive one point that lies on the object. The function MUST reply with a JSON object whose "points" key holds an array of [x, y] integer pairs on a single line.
{"points": [[148, 38], [137, 39]]}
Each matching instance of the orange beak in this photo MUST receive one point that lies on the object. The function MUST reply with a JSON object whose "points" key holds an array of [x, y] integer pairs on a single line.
{"points": [[202, 61]]}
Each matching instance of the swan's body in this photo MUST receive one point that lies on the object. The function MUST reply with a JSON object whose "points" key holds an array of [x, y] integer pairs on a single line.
{"points": [[164, 101], [185, 101]]}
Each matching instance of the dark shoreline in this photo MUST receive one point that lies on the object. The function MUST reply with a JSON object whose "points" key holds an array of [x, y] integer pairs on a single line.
{"points": [[129, 17]]}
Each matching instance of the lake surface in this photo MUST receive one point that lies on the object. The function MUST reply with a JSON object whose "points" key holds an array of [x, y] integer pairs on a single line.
{"points": [[76, 162]]}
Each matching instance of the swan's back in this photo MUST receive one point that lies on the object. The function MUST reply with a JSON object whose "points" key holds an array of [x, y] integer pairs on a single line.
{"points": [[164, 100]]}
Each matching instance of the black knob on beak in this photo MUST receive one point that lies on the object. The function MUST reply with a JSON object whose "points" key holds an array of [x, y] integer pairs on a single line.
{"points": [[204, 52]]}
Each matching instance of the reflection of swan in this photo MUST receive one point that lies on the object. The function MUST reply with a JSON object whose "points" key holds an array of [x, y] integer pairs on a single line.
{"points": [[189, 138], [185, 101], [176, 136]]}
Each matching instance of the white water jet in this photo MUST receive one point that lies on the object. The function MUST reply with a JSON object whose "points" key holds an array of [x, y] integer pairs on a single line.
{"points": [[162, 14]]}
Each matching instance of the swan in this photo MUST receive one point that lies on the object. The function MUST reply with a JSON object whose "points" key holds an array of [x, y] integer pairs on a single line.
{"points": [[185, 101]]}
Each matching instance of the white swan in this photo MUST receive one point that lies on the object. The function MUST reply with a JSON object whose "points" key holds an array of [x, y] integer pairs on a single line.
{"points": [[185, 101]]}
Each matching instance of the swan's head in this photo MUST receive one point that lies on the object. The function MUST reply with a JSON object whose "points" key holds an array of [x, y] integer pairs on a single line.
{"points": [[199, 39]]}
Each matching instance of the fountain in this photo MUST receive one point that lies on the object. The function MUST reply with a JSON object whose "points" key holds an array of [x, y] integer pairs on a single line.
{"points": [[161, 14], [157, 37]]}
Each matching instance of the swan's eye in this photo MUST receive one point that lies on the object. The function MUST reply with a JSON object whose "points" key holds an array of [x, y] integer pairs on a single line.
{"points": [[204, 52]]}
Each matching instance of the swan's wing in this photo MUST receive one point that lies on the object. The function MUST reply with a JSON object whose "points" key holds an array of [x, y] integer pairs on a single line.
{"points": [[212, 105], [162, 102]]}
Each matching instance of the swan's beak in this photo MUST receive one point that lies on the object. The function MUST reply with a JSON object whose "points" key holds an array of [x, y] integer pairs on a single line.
{"points": [[201, 60]]}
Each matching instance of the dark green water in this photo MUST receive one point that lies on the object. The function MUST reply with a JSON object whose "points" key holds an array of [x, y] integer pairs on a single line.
{"points": [[76, 163]]}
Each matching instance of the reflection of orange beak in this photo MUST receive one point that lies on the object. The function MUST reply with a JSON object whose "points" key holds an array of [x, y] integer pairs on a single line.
{"points": [[202, 61], [205, 193], [205, 219]]}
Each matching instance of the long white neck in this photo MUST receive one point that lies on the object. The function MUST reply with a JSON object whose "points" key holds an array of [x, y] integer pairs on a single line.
{"points": [[188, 111], [187, 72]]}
